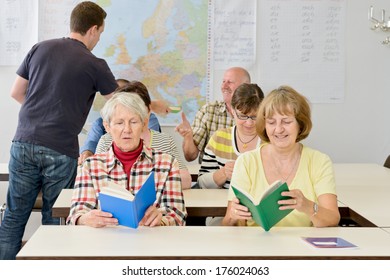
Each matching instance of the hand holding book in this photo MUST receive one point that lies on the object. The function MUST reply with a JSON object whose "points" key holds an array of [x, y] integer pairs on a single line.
{"points": [[265, 211], [127, 208]]}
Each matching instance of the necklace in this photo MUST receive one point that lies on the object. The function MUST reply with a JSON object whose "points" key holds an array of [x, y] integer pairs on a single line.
{"points": [[292, 169], [244, 144]]}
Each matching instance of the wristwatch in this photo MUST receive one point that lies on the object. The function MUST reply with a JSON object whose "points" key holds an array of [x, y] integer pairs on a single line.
{"points": [[315, 208]]}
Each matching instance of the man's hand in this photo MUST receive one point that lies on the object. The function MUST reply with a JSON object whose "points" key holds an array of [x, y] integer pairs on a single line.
{"points": [[184, 128], [160, 107], [190, 150], [83, 156]]}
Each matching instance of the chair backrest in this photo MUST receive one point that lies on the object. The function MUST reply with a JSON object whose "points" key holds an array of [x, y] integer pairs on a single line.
{"points": [[387, 162], [36, 208]]}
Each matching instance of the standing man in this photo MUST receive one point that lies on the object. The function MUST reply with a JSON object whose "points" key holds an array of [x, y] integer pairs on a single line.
{"points": [[56, 85], [212, 116]]}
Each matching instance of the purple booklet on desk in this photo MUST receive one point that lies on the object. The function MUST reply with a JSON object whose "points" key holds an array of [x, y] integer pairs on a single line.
{"points": [[329, 242]]}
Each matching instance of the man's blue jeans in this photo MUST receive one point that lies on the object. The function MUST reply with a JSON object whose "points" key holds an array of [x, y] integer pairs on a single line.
{"points": [[32, 168]]}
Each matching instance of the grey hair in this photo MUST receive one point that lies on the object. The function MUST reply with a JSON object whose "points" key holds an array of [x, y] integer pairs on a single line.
{"points": [[131, 101]]}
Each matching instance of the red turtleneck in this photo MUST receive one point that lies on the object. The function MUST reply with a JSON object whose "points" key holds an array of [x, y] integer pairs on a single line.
{"points": [[127, 158]]}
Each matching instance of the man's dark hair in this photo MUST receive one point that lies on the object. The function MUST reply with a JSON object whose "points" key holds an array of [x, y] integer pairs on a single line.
{"points": [[85, 15]]}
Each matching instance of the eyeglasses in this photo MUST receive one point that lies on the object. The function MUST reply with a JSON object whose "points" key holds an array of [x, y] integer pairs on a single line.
{"points": [[244, 117]]}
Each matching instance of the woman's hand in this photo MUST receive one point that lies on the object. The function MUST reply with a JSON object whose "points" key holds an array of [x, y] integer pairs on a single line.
{"points": [[152, 217], [228, 169], [97, 218], [297, 201], [235, 212], [327, 214]]}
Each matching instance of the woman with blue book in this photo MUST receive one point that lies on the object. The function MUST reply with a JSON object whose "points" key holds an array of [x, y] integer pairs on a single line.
{"points": [[128, 164]]}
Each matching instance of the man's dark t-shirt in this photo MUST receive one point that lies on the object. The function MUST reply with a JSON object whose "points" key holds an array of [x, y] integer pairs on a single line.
{"points": [[64, 77]]}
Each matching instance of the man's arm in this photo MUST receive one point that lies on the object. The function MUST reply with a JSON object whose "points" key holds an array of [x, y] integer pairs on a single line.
{"points": [[190, 150], [160, 107], [108, 96], [19, 89], [154, 123], [93, 136]]}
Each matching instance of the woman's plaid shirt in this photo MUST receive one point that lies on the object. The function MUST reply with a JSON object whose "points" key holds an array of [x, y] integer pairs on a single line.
{"points": [[98, 169]]}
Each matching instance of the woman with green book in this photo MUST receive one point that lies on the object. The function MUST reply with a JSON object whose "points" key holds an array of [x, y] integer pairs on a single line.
{"points": [[283, 121]]}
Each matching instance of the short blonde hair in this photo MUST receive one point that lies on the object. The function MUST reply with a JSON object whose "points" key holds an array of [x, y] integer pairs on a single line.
{"points": [[284, 100]]}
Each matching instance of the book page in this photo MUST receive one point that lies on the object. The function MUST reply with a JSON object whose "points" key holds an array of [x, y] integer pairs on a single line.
{"points": [[273, 187], [117, 191], [269, 191]]}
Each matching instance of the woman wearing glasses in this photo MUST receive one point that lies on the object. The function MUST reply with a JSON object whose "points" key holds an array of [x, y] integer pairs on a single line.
{"points": [[227, 144]]}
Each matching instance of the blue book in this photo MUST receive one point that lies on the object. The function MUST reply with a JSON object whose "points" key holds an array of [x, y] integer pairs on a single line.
{"points": [[124, 206]]}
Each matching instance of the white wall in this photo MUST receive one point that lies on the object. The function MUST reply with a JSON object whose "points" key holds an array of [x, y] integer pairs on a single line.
{"points": [[358, 130]]}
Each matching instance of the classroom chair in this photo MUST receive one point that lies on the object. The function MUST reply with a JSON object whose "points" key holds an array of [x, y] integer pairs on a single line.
{"points": [[36, 208]]}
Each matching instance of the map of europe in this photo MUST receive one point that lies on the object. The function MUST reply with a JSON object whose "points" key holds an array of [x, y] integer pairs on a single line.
{"points": [[162, 43]]}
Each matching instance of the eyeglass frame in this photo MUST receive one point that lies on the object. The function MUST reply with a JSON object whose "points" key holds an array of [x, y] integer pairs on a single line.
{"points": [[244, 117]]}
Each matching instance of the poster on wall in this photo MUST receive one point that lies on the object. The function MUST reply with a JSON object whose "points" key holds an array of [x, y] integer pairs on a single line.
{"points": [[302, 45], [18, 30]]}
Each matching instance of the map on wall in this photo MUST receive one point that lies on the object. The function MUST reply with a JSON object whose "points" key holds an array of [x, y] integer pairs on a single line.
{"points": [[162, 43], [172, 46]]}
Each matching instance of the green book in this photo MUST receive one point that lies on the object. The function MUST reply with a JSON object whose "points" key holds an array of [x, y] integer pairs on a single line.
{"points": [[265, 212]]}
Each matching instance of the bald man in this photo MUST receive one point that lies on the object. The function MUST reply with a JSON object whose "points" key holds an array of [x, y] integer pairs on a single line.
{"points": [[212, 116]]}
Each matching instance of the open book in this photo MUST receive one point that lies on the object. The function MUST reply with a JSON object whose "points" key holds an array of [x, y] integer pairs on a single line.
{"points": [[265, 211], [123, 205]]}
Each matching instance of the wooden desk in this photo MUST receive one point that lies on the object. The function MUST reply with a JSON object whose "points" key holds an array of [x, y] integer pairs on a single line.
{"points": [[198, 202], [81, 242], [371, 202], [205, 203], [193, 168], [361, 175], [4, 172]]}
